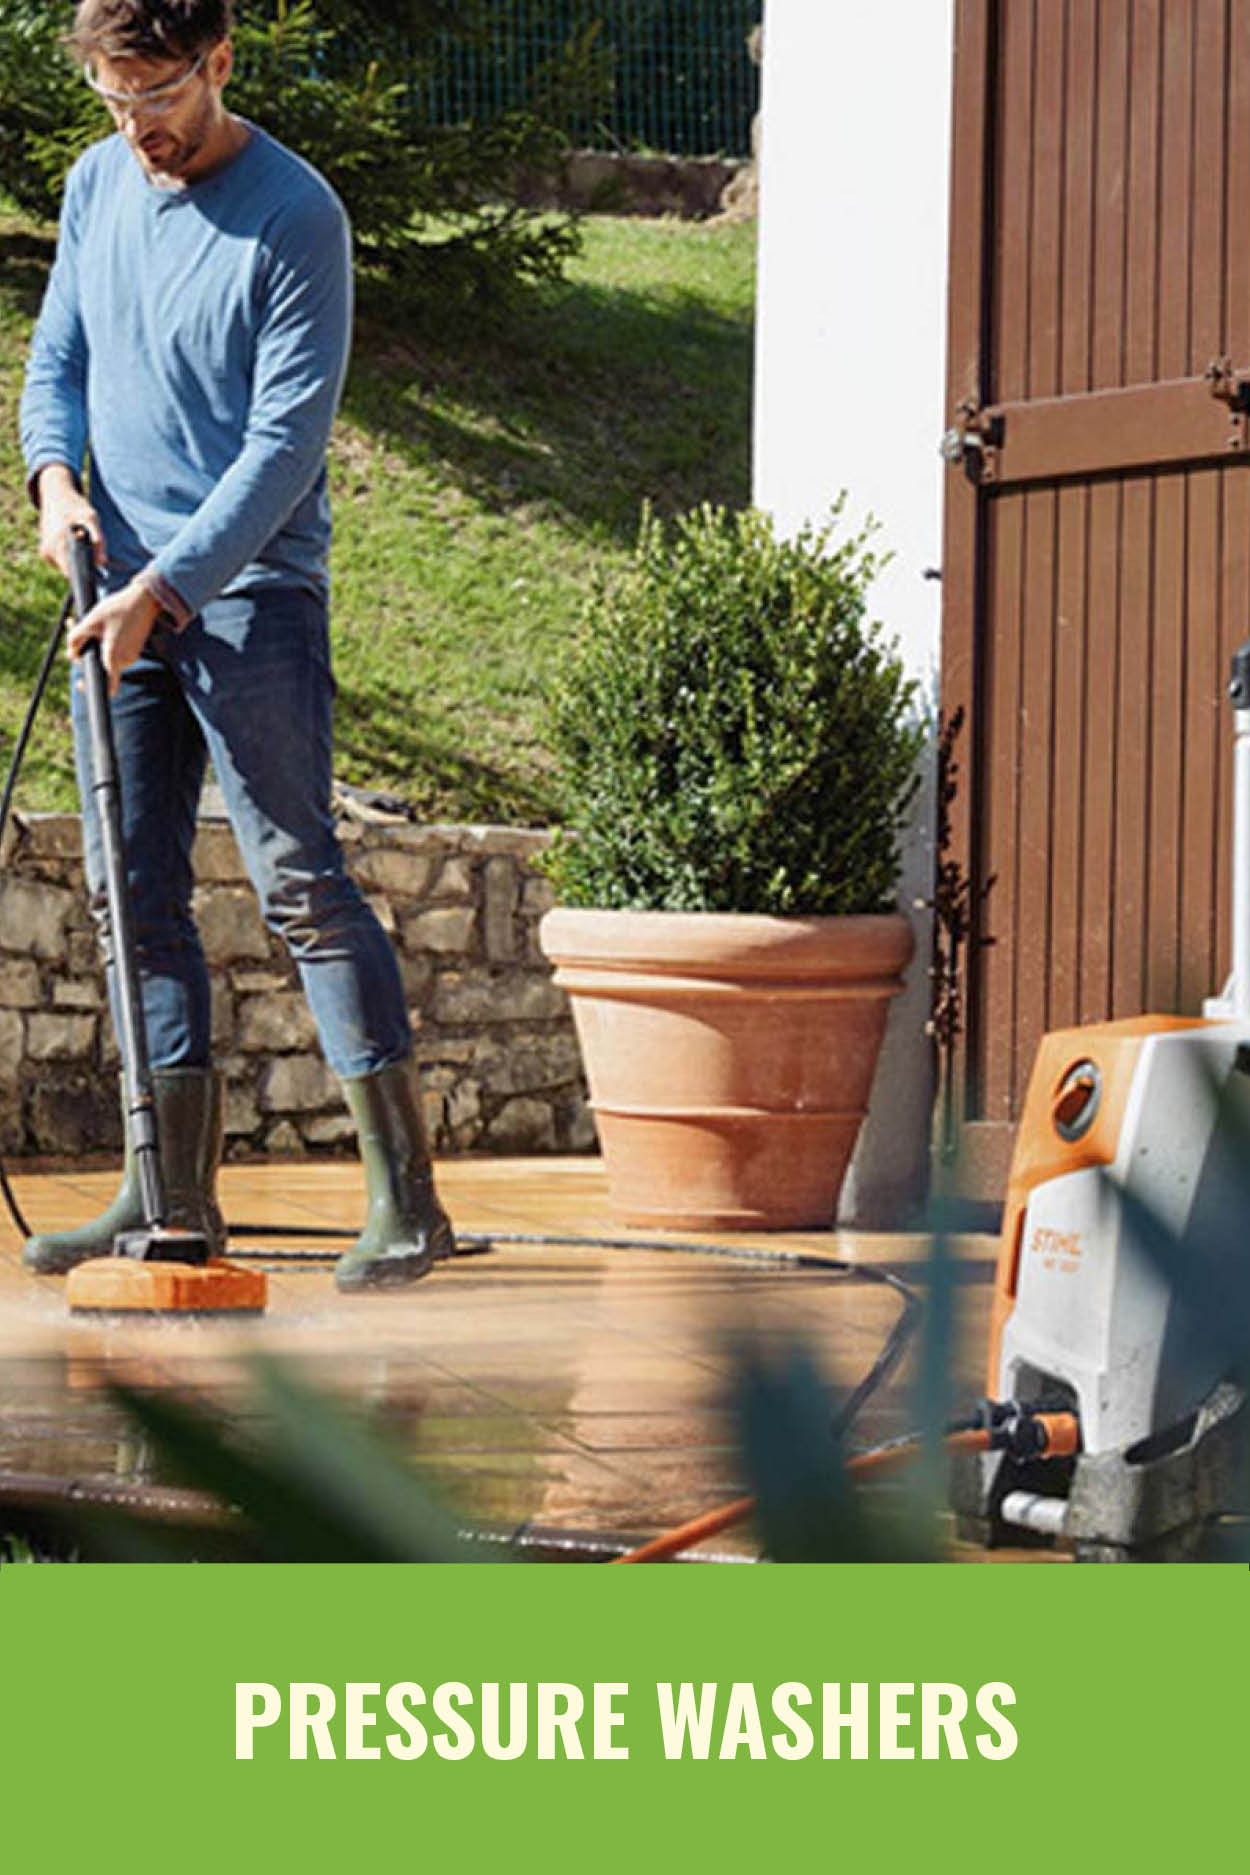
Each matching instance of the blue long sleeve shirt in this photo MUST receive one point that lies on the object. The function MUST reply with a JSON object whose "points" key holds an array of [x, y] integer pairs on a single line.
{"points": [[192, 343]]}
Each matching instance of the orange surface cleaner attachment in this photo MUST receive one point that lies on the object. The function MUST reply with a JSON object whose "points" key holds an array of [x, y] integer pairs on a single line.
{"points": [[121, 1286]]}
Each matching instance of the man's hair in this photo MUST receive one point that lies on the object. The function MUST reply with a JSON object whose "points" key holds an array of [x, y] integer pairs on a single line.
{"points": [[148, 29]]}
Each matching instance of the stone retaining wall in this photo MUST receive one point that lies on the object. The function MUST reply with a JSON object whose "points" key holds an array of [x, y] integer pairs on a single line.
{"points": [[500, 1062], [605, 182]]}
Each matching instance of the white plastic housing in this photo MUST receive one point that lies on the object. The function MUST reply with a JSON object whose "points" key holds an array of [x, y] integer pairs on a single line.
{"points": [[1092, 1308]]}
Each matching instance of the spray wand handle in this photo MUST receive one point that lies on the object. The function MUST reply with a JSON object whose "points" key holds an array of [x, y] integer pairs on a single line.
{"points": [[82, 580], [120, 959]]}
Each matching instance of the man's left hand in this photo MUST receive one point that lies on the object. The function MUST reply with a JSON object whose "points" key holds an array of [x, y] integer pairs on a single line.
{"points": [[121, 623]]}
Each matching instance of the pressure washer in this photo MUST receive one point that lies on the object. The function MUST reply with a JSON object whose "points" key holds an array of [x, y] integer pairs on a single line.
{"points": [[157, 1269], [1129, 1189]]}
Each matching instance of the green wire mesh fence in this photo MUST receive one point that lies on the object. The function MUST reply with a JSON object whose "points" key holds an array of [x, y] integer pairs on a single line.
{"points": [[668, 75]]}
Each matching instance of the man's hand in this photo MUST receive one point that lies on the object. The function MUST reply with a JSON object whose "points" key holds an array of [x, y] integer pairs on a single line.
{"points": [[63, 506], [121, 623]]}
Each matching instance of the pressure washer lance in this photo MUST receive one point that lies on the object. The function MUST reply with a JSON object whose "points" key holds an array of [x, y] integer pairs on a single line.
{"points": [[155, 1241]]}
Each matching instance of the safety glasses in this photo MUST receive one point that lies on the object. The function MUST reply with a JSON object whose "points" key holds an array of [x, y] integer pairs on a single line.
{"points": [[156, 100]]}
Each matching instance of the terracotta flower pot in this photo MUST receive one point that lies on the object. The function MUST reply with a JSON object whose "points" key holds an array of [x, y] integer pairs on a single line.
{"points": [[730, 1058]]}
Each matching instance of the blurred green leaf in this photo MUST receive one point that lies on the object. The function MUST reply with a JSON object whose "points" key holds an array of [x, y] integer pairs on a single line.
{"points": [[315, 1486]]}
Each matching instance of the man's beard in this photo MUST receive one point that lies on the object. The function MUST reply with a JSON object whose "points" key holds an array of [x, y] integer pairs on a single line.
{"points": [[166, 157]]}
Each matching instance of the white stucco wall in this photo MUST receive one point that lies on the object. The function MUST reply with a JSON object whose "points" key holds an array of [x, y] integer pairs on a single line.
{"points": [[850, 351]]}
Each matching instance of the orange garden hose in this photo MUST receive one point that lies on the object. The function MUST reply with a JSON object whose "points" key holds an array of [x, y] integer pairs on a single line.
{"points": [[686, 1535], [1061, 1434]]}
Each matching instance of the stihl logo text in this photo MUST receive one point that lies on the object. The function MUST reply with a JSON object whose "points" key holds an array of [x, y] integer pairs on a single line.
{"points": [[1059, 1249]]}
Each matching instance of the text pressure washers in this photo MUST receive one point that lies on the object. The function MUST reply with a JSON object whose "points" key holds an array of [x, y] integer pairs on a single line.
{"points": [[1129, 1190], [155, 1269]]}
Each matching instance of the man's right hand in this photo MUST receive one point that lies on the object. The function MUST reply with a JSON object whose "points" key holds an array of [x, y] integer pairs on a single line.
{"points": [[63, 506]]}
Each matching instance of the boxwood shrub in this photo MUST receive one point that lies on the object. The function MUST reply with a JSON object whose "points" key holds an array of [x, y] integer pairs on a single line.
{"points": [[733, 732]]}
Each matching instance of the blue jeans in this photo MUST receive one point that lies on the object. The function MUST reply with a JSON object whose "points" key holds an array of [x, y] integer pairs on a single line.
{"points": [[247, 684]]}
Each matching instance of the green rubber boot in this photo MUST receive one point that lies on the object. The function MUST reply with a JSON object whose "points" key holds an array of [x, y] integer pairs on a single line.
{"points": [[189, 1114], [406, 1229]]}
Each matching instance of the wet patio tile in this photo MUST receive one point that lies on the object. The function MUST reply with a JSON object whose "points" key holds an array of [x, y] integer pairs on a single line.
{"points": [[572, 1385]]}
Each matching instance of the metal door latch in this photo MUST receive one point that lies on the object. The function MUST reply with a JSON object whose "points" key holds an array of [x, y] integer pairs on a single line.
{"points": [[1232, 387], [974, 441]]}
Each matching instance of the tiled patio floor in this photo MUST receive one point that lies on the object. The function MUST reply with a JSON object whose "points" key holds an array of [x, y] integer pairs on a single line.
{"points": [[568, 1386]]}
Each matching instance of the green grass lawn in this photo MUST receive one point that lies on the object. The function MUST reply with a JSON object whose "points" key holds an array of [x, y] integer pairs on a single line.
{"points": [[481, 478]]}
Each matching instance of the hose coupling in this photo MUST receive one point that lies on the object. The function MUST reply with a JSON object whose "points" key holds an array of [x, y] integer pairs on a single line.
{"points": [[1026, 1432]]}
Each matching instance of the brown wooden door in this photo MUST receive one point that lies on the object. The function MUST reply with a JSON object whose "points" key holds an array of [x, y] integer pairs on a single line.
{"points": [[1096, 573]]}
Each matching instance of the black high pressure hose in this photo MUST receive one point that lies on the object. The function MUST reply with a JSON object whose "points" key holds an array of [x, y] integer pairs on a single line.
{"points": [[887, 1360], [6, 802]]}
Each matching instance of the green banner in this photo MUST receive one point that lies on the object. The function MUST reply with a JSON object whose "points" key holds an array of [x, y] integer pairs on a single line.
{"points": [[320, 1718]]}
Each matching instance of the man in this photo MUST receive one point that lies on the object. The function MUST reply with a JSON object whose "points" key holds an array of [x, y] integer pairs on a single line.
{"points": [[192, 343]]}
